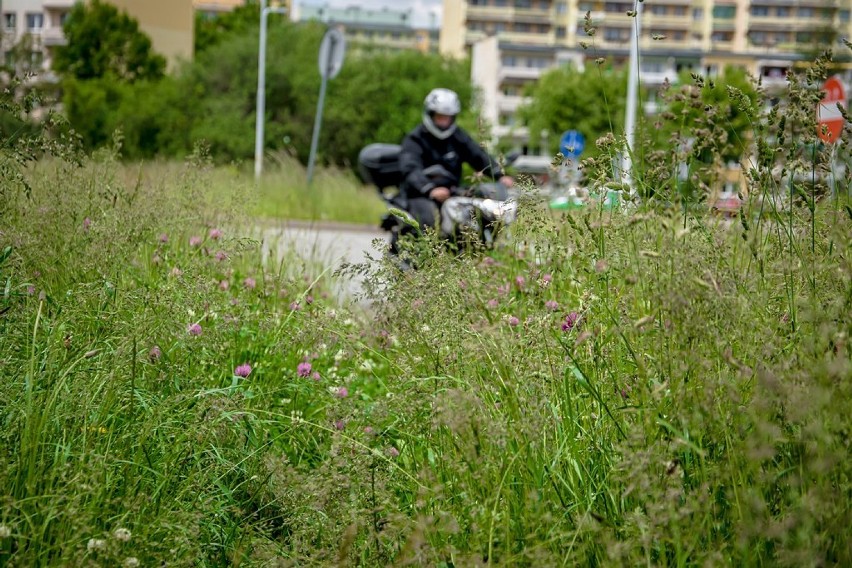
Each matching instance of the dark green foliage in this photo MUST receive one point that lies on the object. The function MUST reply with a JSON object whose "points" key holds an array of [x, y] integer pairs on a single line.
{"points": [[591, 101], [375, 98], [103, 41], [210, 31]]}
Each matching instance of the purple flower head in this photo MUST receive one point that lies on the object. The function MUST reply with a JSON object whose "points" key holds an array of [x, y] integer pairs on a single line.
{"points": [[31, 290], [513, 321], [215, 234], [340, 425], [368, 430], [504, 289], [295, 307], [392, 452], [571, 321], [304, 369], [164, 238], [87, 223], [520, 281], [194, 329], [342, 392], [316, 376], [551, 305], [249, 283], [309, 299], [156, 259], [154, 354], [195, 241], [176, 272], [221, 255], [488, 261], [243, 370], [546, 278], [492, 303], [224, 285]]}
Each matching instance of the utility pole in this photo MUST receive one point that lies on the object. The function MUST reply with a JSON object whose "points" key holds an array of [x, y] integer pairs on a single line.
{"points": [[261, 86], [632, 87]]}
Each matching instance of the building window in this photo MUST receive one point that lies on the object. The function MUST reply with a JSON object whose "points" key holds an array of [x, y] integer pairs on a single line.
{"points": [[783, 11], [760, 11], [804, 37], [509, 61], [616, 34], [561, 32], [658, 10], [10, 21], [35, 21], [679, 35], [680, 10], [501, 3], [698, 14], [523, 3], [724, 12], [758, 38], [844, 15], [586, 7], [613, 7], [806, 12], [561, 8], [479, 2], [722, 36], [523, 28]]}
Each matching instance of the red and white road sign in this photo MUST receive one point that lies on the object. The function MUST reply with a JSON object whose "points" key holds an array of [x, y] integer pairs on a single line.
{"points": [[828, 115]]}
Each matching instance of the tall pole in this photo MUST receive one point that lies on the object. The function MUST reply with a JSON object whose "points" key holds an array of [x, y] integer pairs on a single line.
{"points": [[261, 88], [632, 87]]}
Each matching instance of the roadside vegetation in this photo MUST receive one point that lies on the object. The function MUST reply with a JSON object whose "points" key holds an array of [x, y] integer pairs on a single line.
{"points": [[646, 385], [650, 385]]}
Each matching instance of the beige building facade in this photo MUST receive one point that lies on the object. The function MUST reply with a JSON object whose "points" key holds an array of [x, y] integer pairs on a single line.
{"points": [[512, 42], [38, 24]]}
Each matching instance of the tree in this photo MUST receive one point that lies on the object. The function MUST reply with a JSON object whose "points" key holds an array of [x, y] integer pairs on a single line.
{"points": [[212, 30], [591, 101], [103, 41]]}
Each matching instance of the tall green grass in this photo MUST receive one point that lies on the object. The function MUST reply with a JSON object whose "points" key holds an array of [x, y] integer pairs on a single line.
{"points": [[646, 386]]}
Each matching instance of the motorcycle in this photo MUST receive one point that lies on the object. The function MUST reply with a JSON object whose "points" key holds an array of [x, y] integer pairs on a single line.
{"points": [[482, 209]]}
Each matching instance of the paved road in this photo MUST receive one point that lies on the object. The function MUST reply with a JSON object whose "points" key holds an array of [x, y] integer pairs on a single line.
{"points": [[326, 245]]}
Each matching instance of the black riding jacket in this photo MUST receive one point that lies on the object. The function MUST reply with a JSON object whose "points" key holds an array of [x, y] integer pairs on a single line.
{"points": [[420, 149]]}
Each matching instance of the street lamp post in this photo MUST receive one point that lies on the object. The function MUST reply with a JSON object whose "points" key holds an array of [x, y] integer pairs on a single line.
{"points": [[261, 86], [632, 87]]}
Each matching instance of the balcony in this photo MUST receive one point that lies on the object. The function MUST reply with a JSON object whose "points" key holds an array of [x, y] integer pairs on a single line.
{"points": [[58, 4], [655, 21], [520, 73], [488, 14], [532, 16], [522, 38], [52, 37]]}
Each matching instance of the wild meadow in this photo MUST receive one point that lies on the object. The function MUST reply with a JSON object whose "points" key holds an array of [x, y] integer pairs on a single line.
{"points": [[652, 385]]}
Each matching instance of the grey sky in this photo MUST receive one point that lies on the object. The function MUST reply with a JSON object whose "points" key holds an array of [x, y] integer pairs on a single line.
{"points": [[422, 8]]}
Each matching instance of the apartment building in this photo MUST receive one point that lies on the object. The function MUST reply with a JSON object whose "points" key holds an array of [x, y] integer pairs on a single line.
{"points": [[512, 42], [213, 8], [32, 28], [382, 29]]}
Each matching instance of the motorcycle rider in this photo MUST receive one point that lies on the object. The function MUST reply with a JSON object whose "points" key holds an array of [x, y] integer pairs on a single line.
{"points": [[439, 141]]}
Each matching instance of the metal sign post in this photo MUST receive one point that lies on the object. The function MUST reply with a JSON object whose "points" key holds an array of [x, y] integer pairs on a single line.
{"points": [[261, 87], [331, 54]]}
